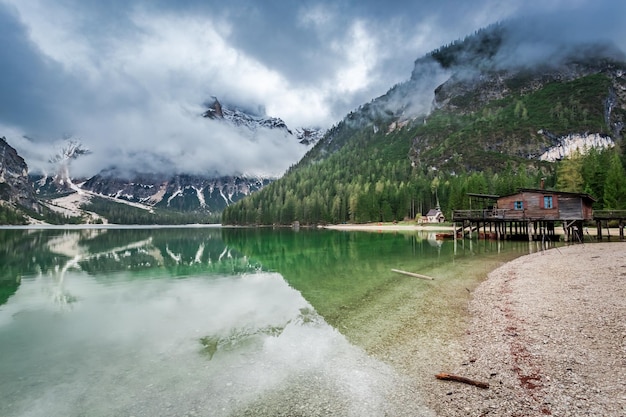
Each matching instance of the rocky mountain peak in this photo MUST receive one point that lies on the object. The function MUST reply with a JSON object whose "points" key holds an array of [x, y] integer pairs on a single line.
{"points": [[254, 119], [240, 116], [214, 110], [15, 187]]}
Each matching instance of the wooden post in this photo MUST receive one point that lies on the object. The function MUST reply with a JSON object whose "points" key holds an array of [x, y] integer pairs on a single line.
{"points": [[621, 229], [599, 230]]}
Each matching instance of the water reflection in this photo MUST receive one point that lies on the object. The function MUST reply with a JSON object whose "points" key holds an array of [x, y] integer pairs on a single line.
{"points": [[338, 272], [176, 322]]}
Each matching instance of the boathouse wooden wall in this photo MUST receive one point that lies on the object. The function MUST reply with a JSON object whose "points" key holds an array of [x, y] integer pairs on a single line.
{"points": [[573, 208], [531, 207], [565, 206]]}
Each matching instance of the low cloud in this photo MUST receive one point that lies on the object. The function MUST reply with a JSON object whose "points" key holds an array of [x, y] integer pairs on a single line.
{"points": [[128, 78]]}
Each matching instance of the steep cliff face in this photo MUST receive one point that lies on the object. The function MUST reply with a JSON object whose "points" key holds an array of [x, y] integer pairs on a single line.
{"points": [[15, 188], [492, 109], [499, 114]]}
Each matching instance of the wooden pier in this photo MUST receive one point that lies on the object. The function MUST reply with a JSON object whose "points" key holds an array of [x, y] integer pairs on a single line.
{"points": [[604, 217], [531, 214], [495, 224]]}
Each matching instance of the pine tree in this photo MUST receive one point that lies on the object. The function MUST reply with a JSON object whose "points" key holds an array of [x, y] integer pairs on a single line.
{"points": [[569, 174], [615, 185]]}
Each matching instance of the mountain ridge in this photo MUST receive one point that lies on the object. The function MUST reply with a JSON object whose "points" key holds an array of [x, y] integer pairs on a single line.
{"points": [[195, 193], [467, 120]]}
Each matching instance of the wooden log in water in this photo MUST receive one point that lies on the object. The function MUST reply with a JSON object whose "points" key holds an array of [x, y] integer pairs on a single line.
{"points": [[412, 274]]}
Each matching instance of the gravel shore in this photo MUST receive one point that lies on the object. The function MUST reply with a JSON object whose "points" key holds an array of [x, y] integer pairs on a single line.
{"points": [[547, 332]]}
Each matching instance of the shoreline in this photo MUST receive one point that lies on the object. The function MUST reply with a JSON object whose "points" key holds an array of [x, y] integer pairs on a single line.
{"points": [[433, 227], [389, 227], [546, 331]]}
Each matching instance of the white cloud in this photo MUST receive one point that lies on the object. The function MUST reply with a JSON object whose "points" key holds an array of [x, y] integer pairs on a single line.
{"points": [[361, 52]]}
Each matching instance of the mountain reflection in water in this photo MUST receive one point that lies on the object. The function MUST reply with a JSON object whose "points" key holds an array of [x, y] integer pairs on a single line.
{"points": [[145, 322]]}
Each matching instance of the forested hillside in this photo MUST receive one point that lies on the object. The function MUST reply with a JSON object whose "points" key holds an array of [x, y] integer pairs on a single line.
{"points": [[485, 133]]}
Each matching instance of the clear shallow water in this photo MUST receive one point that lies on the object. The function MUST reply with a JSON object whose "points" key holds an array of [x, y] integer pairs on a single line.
{"points": [[210, 322]]}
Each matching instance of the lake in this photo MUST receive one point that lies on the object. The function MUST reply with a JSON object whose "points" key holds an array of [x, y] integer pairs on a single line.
{"points": [[209, 321]]}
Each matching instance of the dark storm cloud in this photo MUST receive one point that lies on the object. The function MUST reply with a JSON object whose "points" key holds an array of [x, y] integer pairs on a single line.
{"points": [[28, 81], [128, 76]]}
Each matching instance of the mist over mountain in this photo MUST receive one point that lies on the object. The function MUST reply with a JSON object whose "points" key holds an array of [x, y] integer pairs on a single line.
{"points": [[489, 65], [255, 119], [188, 188], [153, 181], [498, 107]]}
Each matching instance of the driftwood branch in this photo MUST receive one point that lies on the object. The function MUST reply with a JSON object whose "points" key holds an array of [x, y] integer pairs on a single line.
{"points": [[451, 377], [412, 274]]}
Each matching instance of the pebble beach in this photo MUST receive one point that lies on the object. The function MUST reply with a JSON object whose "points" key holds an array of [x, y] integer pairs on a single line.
{"points": [[547, 333]]}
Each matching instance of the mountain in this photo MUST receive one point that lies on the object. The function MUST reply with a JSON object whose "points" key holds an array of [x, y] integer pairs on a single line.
{"points": [[176, 192], [209, 193], [15, 188], [478, 115], [468, 92], [239, 116], [138, 197], [255, 119], [203, 196]]}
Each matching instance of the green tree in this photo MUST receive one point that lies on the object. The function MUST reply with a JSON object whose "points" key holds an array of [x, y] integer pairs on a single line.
{"points": [[594, 170], [615, 185], [569, 173]]}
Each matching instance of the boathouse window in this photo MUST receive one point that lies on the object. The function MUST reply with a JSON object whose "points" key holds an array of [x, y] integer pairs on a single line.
{"points": [[519, 205], [547, 202]]}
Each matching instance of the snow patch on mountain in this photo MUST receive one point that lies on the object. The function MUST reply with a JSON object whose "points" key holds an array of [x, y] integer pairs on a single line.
{"points": [[200, 196], [569, 144]]}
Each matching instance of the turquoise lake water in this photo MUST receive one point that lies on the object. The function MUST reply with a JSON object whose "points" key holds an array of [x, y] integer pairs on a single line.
{"points": [[204, 321]]}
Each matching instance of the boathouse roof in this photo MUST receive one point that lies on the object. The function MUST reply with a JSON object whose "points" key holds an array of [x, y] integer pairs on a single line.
{"points": [[484, 196], [544, 191]]}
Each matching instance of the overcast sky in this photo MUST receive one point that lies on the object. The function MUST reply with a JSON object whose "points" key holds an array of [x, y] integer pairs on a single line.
{"points": [[129, 77]]}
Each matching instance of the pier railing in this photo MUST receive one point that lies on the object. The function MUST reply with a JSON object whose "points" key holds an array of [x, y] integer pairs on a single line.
{"points": [[485, 214], [609, 214]]}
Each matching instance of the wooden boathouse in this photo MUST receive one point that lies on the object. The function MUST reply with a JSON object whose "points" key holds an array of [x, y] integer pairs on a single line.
{"points": [[528, 214]]}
